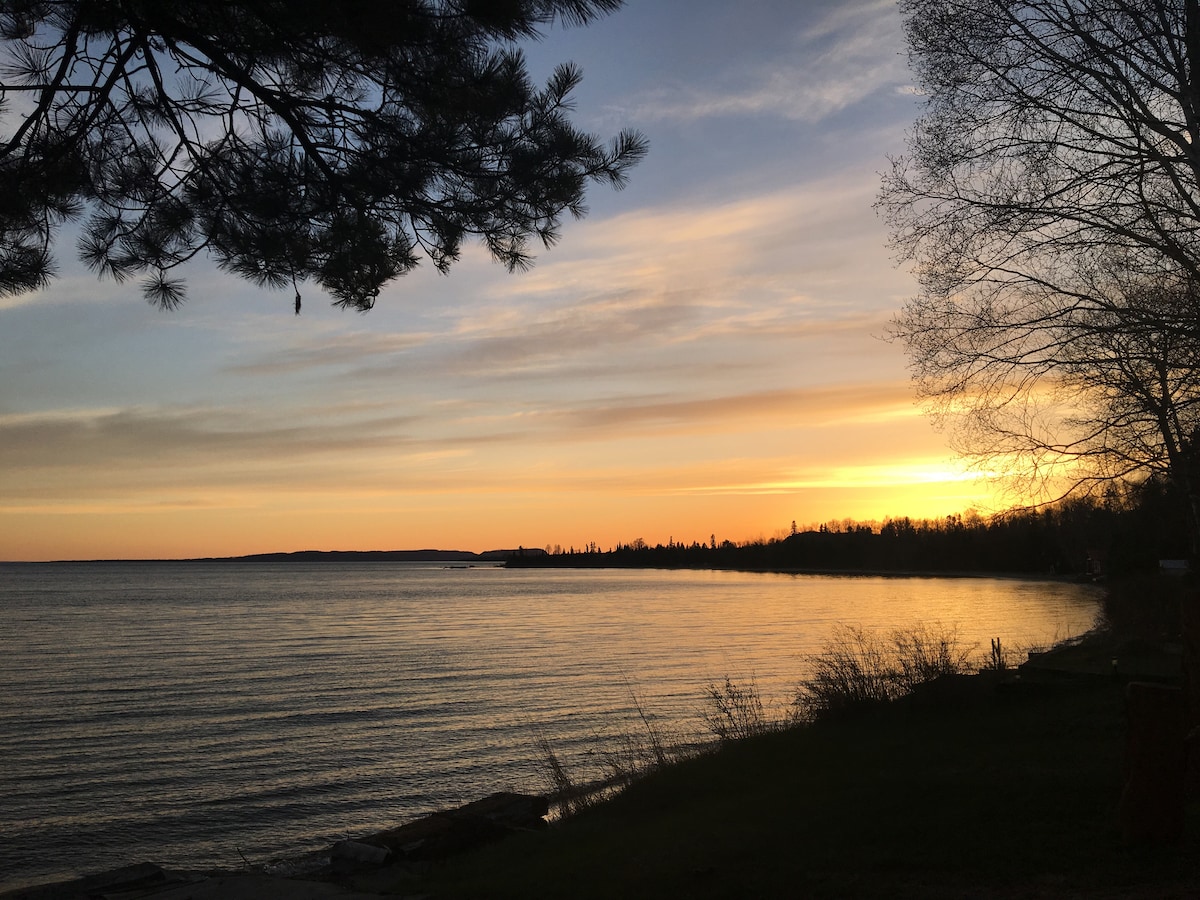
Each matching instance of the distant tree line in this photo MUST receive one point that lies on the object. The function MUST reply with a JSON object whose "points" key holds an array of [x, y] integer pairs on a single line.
{"points": [[1126, 530]]}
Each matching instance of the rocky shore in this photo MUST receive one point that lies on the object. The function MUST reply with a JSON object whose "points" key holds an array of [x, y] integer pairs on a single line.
{"points": [[386, 857]]}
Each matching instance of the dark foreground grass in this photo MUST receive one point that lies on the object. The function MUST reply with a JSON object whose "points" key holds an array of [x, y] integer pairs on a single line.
{"points": [[1008, 792]]}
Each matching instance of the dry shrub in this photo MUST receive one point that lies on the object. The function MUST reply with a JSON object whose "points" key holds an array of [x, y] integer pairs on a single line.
{"points": [[859, 668], [623, 756], [1146, 607], [926, 652], [999, 659], [564, 792], [634, 752], [734, 711]]}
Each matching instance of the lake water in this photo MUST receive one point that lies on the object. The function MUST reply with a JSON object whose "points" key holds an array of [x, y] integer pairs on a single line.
{"points": [[195, 714]]}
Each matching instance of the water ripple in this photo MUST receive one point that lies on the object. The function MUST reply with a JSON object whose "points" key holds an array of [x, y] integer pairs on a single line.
{"points": [[190, 713]]}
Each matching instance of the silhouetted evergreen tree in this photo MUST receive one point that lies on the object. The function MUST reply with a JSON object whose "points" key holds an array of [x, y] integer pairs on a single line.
{"points": [[293, 140], [1125, 532]]}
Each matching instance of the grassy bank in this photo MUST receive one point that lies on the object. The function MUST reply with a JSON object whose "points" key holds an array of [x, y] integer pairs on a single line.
{"points": [[977, 790]]}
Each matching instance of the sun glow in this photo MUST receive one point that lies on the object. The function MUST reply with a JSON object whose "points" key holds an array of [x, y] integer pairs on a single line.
{"points": [[700, 355]]}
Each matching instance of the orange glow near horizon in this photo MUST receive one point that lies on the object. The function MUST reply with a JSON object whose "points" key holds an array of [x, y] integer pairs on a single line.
{"points": [[467, 520], [705, 353]]}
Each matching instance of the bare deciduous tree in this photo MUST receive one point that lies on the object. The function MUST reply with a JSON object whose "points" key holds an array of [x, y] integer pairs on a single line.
{"points": [[292, 141], [1050, 201]]}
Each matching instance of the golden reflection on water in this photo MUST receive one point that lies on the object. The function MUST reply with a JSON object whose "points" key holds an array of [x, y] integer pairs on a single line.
{"points": [[177, 711]]}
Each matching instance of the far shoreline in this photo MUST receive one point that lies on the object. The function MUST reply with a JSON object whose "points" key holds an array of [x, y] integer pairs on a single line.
{"points": [[511, 560], [872, 573]]}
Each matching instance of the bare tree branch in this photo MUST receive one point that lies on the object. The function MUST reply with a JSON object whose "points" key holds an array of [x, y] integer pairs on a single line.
{"points": [[1050, 204]]}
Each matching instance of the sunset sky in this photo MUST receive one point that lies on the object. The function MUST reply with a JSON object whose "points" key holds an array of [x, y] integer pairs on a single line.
{"points": [[702, 355]]}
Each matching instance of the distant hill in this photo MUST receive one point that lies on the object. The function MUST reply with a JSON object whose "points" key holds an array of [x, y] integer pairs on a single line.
{"points": [[392, 555]]}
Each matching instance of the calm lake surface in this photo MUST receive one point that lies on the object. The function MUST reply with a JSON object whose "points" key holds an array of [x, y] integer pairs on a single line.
{"points": [[193, 714]]}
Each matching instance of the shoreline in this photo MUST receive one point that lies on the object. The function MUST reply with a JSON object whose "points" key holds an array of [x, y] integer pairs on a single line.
{"points": [[511, 560], [318, 873], [542, 562]]}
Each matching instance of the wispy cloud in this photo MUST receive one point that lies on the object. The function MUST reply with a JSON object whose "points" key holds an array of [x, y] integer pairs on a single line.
{"points": [[179, 440], [852, 52], [323, 350], [816, 407], [108, 452], [777, 239], [681, 292]]}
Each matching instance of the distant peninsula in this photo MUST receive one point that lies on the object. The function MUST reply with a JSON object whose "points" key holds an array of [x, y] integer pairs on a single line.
{"points": [[450, 556]]}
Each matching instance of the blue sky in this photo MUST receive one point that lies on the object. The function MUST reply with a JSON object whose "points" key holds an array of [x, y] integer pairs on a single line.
{"points": [[702, 354]]}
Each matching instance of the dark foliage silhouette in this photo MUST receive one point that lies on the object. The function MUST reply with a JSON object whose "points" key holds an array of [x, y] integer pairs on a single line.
{"points": [[336, 143], [1125, 531]]}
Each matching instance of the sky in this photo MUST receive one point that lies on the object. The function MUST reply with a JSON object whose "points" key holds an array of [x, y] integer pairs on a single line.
{"points": [[703, 355]]}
